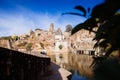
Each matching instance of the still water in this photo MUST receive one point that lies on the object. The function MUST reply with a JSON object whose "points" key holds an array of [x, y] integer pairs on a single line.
{"points": [[76, 76], [78, 64]]}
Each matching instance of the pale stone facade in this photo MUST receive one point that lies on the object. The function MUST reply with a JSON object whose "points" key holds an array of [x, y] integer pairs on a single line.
{"points": [[81, 42], [5, 44]]}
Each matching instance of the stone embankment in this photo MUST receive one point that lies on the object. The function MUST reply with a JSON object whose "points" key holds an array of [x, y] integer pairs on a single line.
{"points": [[16, 65]]}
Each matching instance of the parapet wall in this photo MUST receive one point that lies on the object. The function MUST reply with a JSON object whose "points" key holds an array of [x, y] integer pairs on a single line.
{"points": [[4, 43], [16, 65]]}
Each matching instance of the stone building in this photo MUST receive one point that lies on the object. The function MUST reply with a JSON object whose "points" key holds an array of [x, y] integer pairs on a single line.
{"points": [[5, 44], [61, 38], [51, 29], [38, 32], [82, 43]]}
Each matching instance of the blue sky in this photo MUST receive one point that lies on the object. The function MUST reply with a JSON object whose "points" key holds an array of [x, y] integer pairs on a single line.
{"points": [[19, 16]]}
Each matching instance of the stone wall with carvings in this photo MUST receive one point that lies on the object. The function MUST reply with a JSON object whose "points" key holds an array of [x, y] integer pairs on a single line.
{"points": [[82, 40]]}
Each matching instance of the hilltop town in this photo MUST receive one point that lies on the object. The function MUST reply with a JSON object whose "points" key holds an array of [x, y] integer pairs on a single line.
{"points": [[52, 41], [58, 45]]}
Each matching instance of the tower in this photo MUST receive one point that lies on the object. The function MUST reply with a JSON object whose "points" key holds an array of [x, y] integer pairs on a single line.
{"points": [[51, 29]]}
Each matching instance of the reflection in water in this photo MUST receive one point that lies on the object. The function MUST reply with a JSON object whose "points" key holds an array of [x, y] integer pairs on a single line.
{"points": [[79, 64], [75, 76]]}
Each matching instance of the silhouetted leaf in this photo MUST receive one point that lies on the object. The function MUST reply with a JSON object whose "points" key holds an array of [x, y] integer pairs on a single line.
{"points": [[109, 69], [88, 10], [77, 28], [73, 13], [110, 51], [90, 23], [81, 9], [87, 25], [109, 28], [105, 10]]}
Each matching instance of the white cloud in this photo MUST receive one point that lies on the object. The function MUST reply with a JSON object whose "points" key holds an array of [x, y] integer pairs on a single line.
{"points": [[21, 23], [14, 24]]}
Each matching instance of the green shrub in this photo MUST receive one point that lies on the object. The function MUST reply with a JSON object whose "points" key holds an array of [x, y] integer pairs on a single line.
{"points": [[60, 46], [29, 46]]}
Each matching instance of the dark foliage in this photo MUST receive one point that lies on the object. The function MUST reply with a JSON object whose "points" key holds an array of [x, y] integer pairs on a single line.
{"points": [[81, 9], [105, 10], [105, 14], [106, 36], [87, 25], [107, 70]]}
